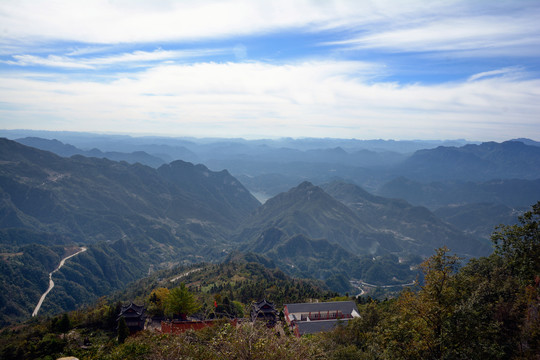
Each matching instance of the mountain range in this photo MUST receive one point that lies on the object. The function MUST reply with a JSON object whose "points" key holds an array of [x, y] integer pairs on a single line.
{"points": [[136, 218], [489, 160], [357, 222], [67, 150], [133, 218], [269, 167]]}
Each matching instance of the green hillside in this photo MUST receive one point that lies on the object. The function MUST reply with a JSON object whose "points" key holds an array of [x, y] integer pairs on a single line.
{"points": [[132, 218], [308, 210], [418, 229], [303, 257], [358, 222]]}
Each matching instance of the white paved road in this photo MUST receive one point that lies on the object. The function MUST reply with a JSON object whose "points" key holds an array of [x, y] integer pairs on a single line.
{"points": [[51, 282]]}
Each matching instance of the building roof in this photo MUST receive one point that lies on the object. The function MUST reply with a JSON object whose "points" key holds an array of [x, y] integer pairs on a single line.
{"points": [[312, 327], [263, 306], [345, 307], [131, 310]]}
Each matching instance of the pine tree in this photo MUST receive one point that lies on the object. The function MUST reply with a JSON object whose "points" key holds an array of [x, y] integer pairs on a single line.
{"points": [[123, 330], [64, 324]]}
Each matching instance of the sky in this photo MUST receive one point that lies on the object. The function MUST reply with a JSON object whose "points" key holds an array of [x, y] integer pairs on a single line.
{"points": [[364, 69]]}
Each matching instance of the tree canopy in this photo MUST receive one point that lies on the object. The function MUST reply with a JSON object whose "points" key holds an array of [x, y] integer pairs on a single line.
{"points": [[181, 302], [519, 245]]}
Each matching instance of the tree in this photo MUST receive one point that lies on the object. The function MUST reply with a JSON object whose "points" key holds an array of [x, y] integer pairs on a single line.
{"points": [[64, 324], [519, 248], [111, 315], [180, 302], [123, 330], [519, 245], [418, 328], [157, 301]]}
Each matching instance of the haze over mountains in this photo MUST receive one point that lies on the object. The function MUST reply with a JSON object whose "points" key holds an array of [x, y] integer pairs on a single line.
{"points": [[274, 166], [335, 209]]}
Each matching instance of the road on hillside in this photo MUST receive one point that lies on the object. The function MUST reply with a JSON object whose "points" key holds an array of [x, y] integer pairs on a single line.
{"points": [[185, 274], [359, 283], [51, 282]]}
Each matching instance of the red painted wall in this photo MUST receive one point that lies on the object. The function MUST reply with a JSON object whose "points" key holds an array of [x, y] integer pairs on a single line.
{"points": [[178, 327]]}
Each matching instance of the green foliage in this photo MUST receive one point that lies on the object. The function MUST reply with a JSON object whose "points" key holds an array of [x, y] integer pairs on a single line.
{"points": [[487, 309], [123, 330], [64, 324], [519, 245], [245, 342], [300, 256], [157, 301], [31, 343], [418, 327], [180, 302]]}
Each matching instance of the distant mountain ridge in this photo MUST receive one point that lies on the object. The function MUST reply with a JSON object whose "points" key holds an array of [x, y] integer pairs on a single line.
{"points": [[67, 150], [513, 193], [269, 167], [479, 219], [489, 160], [127, 143], [527, 141], [36, 180]]}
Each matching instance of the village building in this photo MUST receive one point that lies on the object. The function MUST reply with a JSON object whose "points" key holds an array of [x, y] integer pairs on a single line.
{"points": [[134, 317], [310, 318], [265, 311]]}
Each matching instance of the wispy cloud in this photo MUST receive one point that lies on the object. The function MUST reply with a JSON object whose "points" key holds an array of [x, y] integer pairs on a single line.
{"points": [[87, 50], [107, 22], [464, 35], [514, 72], [136, 58], [51, 60], [385, 24]]}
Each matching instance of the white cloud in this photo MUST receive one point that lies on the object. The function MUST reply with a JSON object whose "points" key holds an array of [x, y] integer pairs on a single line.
{"points": [[512, 34], [51, 60], [509, 71], [112, 22], [136, 58], [320, 98], [385, 24], [308, 98]]}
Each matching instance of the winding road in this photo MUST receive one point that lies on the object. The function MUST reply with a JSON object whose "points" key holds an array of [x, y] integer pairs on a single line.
{"points": [[51, 282], [185, 274], [359, 283]]}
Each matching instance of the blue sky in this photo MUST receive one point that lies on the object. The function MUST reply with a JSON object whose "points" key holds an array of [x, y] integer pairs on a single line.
{"points": [[261, 69]]}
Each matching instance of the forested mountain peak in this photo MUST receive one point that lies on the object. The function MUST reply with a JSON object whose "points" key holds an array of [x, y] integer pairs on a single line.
{"points": [[306, 209]]}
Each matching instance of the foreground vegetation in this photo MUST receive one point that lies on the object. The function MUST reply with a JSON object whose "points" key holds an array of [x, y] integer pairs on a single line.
{"points": [[486, 309]]}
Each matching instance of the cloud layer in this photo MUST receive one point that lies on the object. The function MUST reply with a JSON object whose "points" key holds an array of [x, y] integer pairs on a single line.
{"points": [[256, 99], [385, 69]]}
